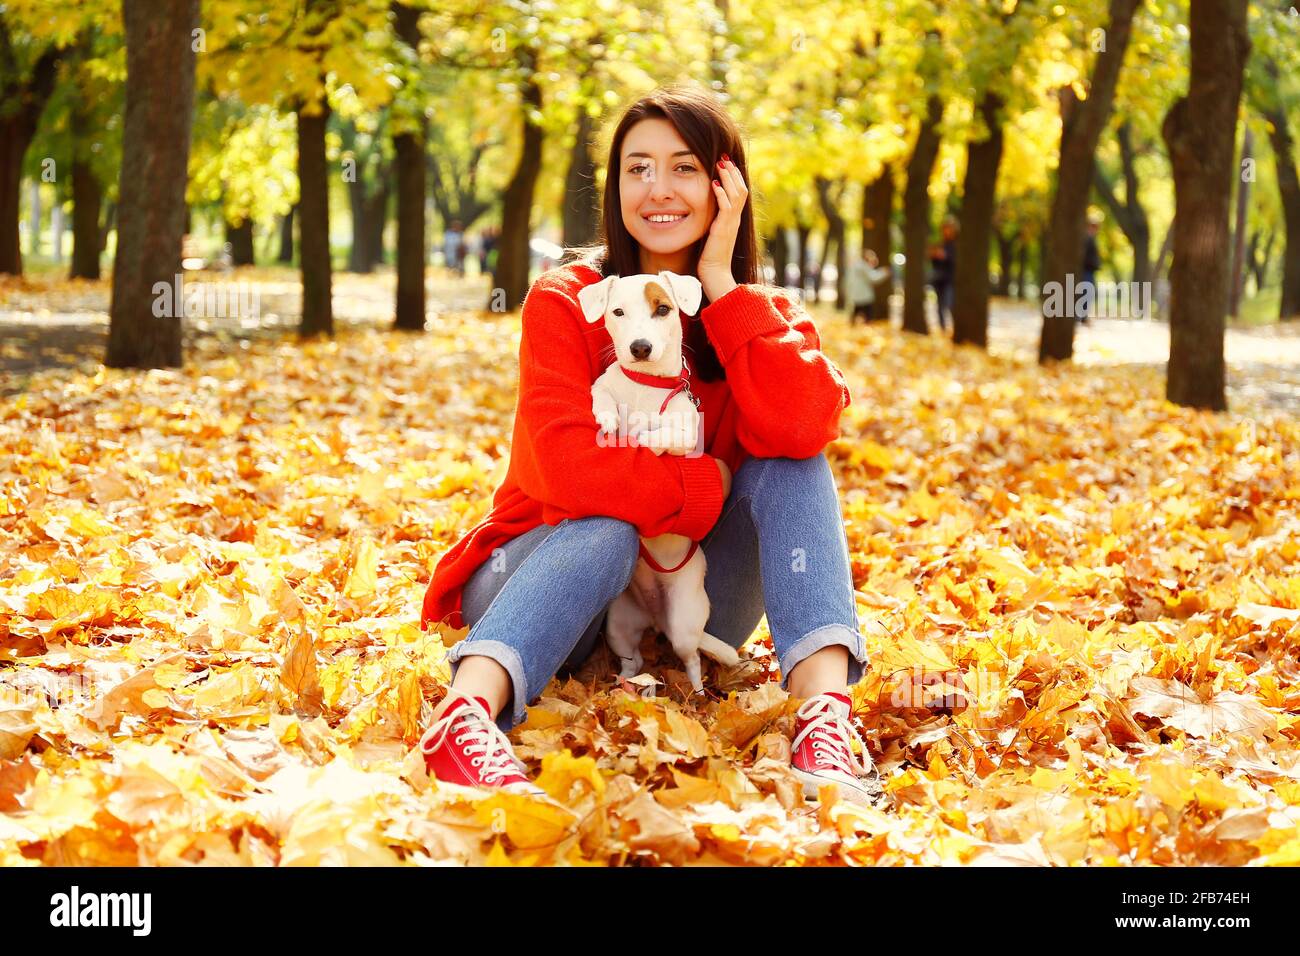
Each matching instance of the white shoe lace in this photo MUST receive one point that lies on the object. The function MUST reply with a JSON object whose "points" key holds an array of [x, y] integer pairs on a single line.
{"points": [[483, 740], [829, 733]]}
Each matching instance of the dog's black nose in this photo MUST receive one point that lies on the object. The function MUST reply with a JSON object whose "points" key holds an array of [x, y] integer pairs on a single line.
{"points": [[640, 349]]}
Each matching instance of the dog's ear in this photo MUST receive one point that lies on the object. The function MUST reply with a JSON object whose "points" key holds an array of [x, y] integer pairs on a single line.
{"points": [[594, 298], [686, 291]]}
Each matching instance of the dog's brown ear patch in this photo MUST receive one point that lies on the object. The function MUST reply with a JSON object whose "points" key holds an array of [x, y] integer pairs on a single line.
{"points": [[655, 294]]}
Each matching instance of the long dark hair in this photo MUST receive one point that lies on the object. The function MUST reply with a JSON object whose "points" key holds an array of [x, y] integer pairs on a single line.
{"points": [[709, 131]]}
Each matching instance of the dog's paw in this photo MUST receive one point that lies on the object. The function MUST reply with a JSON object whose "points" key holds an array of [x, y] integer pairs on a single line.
{"points": [[608, 422]]}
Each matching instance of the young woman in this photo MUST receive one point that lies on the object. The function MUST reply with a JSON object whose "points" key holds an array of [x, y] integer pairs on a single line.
{"points": [[534, 579]]}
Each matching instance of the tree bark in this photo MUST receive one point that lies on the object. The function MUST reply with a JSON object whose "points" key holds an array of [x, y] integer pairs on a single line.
{"points": [[1006, 262], [804, 232], [314, 224], [834, 235], [408, 160], [916, 218], [1288, 184], [1199, 131], [23, 104], [240, 237], [1081, 127], [517, 200], [970, 309], [286, 236], [1237, 278], [1130, 215], [877, 214], [780, 249], [151, 187], [87, 196], [581, 219]]}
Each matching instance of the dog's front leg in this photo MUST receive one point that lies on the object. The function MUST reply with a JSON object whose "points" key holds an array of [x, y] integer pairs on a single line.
{"points": [[605, 408], [624, 625]]}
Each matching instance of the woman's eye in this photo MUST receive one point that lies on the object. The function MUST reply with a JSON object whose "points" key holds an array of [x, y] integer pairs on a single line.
{"points": [[687, 167]]}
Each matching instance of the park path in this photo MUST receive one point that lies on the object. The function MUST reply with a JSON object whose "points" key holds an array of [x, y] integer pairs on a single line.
{"points": [[65, 325]]}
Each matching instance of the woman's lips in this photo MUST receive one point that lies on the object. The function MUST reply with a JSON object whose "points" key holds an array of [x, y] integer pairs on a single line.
{"points": [[665, 225]]}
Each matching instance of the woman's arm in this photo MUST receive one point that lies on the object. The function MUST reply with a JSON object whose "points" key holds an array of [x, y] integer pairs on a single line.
{"points": [[789, 394], [561, 463]]}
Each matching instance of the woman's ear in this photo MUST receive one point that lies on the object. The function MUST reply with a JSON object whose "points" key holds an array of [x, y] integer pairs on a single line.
{"points": [[594, 298], [686, 291]]}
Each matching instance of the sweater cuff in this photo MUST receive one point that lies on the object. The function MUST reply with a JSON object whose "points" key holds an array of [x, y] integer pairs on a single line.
{"points": [[740, 315], [702, 484]]}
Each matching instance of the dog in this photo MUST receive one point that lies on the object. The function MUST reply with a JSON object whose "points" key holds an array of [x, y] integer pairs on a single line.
{"points": [[647, 392]]}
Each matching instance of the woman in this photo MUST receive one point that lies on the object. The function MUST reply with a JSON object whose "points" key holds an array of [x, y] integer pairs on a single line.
{"points": [[534, 579]]}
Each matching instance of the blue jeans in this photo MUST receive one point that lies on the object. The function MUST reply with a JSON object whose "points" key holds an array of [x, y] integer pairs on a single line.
{"points": [[538, 603]]}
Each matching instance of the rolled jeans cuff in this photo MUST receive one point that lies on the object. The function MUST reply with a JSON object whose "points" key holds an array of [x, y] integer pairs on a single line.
{"points": [[507, 657], [826, 636]]}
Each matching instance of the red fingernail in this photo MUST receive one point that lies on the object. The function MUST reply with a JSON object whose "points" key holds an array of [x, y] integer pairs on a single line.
{"points": [[718, 184], [726, 158]]}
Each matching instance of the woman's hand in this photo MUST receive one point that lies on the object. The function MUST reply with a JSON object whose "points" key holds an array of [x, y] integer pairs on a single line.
{"points": [[714, 267], [726, 478]]}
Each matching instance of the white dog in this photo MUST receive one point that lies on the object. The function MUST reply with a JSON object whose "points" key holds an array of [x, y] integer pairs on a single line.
{"points": [[645, 395]]}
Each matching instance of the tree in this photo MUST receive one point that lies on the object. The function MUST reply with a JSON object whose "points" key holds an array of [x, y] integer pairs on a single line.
{"points": [[1199, 132], [151, 210], [1081, 125], [410, 132], [28, 71], [916, 217]]}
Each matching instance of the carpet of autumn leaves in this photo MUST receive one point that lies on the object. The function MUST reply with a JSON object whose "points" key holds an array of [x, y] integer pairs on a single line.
{"points": [[1082, 608]]}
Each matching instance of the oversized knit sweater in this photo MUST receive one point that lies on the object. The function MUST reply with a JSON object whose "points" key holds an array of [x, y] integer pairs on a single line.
{"points": [[781, 397]]}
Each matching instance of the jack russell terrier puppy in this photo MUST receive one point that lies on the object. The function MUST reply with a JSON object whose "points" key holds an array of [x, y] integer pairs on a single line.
{"points": [[647, 392]]}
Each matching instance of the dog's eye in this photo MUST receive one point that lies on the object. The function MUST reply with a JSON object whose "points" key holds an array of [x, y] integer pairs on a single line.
{"points": [[662, 310], [618, 311]]}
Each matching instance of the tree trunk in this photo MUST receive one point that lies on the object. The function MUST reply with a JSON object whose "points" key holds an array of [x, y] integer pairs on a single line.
{"points": [[24, 102], [970, 308], [314, 224], [581, 219], [143, 332], [1288, 184], [1022, 265], [409, 160], [358, 257], [1130, 215], [804, 232], [1199, 131], [834, 234], [517, 200], [1237, 277], [916, 218], [780, 248], [87, 195], [1006, 260], [1081, 127], [376, 219], [240, 237], [877, 214], [286, 236]]}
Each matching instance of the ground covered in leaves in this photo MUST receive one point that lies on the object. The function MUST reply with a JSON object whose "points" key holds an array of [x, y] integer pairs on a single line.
{"points": [[1082, 608]]}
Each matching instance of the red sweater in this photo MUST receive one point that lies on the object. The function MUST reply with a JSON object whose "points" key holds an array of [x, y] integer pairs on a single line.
{"points": [[781, 398]]}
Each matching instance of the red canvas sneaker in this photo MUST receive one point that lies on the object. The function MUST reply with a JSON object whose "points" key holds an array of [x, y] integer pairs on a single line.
{"points": [[465, 747], [821, 753]]}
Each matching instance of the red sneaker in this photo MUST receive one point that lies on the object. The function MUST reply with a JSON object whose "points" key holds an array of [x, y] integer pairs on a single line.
{"points": [[820, 752], [465, 747]]}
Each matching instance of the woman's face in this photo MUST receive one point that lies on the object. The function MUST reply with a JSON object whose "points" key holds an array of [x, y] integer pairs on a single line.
{"points": [[658, 174]]}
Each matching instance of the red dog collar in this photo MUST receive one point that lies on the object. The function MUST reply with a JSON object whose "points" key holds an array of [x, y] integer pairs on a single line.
{"points": [[645, 555], [675, 383]]}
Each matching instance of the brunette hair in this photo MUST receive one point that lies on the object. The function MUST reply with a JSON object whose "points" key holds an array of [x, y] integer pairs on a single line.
{"points": [[709, 131]]}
